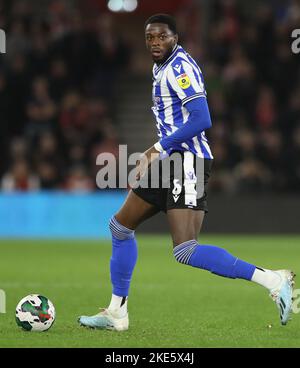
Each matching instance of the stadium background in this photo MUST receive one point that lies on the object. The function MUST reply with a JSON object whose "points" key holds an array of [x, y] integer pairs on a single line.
{"points": [[75, 82]]}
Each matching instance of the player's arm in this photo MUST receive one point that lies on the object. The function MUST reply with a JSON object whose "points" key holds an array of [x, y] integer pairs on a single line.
{"points": [[190, 90], [198, 121]]}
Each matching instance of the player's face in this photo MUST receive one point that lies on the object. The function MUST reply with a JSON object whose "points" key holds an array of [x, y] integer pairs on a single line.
{"points": [[160, 41]]}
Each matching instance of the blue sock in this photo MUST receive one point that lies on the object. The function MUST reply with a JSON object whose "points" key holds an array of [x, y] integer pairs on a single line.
{"points": [[123, 259], [213, 259]]}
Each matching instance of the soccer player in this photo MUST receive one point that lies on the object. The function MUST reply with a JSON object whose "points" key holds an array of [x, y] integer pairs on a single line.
{"points": [[182, 116]]}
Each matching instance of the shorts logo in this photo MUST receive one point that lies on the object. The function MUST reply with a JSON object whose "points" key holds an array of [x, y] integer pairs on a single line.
{"points": [[183, 81], [191, 176], [177, 190]]}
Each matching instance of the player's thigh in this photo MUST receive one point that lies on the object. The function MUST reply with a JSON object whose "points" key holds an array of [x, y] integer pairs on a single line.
{"points": [[185, 224], [135, 211]]}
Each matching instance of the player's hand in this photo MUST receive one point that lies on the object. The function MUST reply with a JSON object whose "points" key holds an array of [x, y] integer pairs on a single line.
{"points": [[145, 161]]}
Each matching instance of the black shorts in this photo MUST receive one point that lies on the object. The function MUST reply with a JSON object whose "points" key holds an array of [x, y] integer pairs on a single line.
{"points": [[183, 188]]}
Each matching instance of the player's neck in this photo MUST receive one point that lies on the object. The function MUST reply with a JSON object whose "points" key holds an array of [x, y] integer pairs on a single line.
{"points": [[158, 63]]}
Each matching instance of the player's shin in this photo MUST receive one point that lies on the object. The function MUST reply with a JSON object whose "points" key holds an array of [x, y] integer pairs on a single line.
{"points": [[213, 259], [123, 260], [220, 262]]}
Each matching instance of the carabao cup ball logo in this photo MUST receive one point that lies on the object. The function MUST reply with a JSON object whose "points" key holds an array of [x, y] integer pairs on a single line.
{"points": [[35, 313]]}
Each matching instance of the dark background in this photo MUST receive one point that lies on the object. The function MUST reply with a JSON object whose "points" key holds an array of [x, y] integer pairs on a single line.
{"points": [[76, 81]]}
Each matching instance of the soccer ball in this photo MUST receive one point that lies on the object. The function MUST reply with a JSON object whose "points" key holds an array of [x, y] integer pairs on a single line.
{"points": [[35, 313]]}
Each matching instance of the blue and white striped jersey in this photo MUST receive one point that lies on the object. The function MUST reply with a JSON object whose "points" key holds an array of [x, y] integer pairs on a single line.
{"points": [[175, 82]]}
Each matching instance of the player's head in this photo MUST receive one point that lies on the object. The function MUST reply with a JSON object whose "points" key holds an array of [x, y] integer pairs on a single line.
{"points": [[161, 36]]}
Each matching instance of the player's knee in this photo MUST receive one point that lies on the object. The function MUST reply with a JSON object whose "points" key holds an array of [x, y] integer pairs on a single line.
{"points": [[183, 252], [182, 236], [119, 231]]}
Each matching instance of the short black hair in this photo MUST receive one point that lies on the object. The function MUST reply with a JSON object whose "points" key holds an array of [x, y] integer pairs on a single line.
{"points": [[163, 18]]}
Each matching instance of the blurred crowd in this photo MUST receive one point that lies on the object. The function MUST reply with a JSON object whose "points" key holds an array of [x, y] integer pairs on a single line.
{"points": [[56, 84], [253, 83], [55, 96]]}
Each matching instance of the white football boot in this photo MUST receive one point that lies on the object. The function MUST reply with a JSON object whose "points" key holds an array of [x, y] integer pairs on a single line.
{"points": [[105, 320], [283, 294]]}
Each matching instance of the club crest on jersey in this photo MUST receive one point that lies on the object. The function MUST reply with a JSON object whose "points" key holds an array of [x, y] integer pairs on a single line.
{"points": [[156, 100], [183, 81], [178, 68]]}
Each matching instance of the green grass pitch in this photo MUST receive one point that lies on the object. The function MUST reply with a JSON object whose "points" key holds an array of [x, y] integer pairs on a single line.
{"points": [[170, 305]]}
